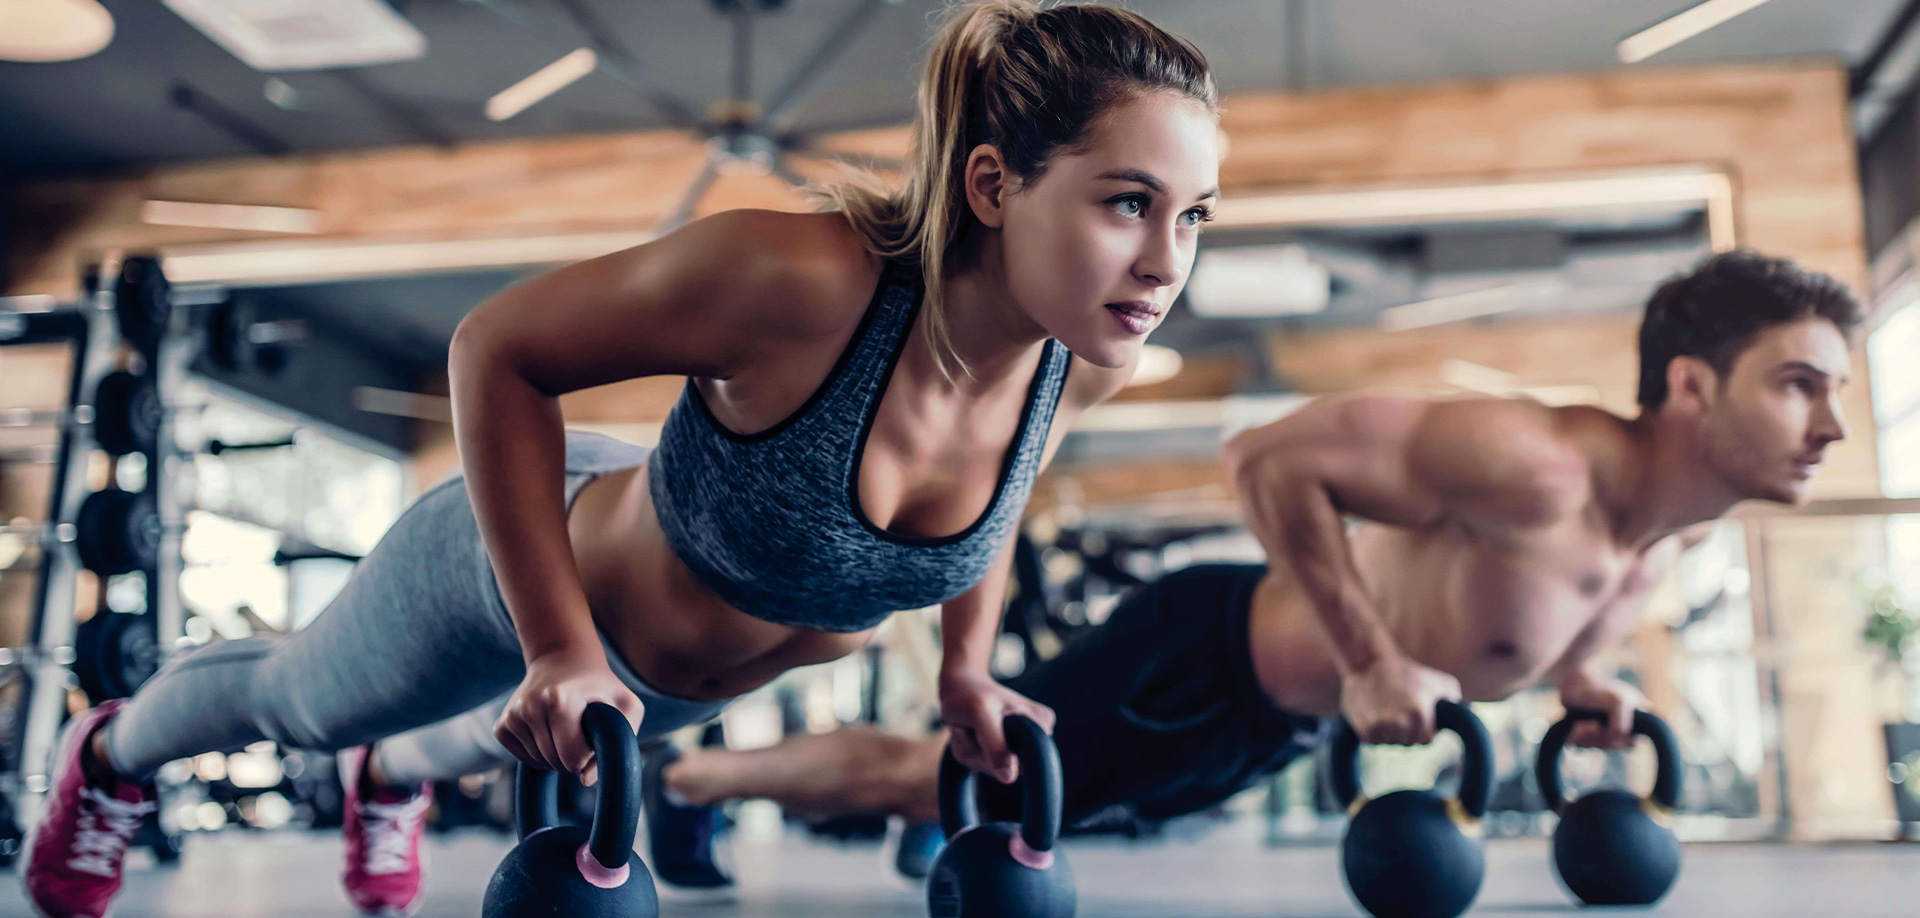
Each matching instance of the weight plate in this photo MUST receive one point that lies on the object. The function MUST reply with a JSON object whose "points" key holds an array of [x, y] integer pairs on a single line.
{"points": [[126, 414], [114, 654], [142, 301], [119, 532]]}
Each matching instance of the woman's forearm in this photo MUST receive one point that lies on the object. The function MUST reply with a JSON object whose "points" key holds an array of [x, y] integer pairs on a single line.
{"points": [[513, 452]]}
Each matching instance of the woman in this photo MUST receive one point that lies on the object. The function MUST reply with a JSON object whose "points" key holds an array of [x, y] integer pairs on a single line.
{"points": [[871, 392]]}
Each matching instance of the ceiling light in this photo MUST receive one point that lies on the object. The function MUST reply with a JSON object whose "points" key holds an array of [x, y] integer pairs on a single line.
{"points": [[277, 262], [1482, 201], [1477, 377], [1441, 310], [1681, 26], [45, 31], [542, 83], [253, 217], [305, 34]]}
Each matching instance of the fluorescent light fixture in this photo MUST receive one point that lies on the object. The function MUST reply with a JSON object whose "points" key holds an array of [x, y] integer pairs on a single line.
{"points": [[1395, 204], [1262, 280], [305, 34], [1231, 414], [28, 302], [1681, 26], [1158, 363], [1558, 396], [1477, 377], [542, 83], [278, 262], [416, 405], [231, 216], [1441, 310], [44, 31], [1156, 415]]}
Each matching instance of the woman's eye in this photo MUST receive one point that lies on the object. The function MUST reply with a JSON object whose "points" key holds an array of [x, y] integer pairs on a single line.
{"points": [[1131, 205]]}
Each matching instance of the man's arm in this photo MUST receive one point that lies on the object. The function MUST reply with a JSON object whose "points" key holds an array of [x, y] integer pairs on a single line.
{"points": [[1497, 467], [1577, 675]]}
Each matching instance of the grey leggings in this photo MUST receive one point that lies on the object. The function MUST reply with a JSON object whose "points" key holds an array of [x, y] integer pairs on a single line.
{"points": [[417, 651]]}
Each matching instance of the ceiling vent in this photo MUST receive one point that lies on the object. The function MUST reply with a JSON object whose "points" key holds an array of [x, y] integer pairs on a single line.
{"points": [[305, 34]]}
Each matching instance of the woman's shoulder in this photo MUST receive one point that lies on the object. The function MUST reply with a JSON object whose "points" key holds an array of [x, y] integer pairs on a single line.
{"points": [[809, 273]]}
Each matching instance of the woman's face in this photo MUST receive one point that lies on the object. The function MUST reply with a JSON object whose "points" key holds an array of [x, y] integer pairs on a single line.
{"points": [[1099, 246]]}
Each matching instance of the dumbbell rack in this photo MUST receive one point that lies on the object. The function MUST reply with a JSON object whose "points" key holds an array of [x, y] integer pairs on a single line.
{"points": [[93, 327]]}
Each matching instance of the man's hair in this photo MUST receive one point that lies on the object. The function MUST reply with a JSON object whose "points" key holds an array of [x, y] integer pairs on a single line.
{"points": [[1714, 311]]}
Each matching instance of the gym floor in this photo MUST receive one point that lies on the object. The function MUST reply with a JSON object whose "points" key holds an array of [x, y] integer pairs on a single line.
{"points": [[1225, 874]]}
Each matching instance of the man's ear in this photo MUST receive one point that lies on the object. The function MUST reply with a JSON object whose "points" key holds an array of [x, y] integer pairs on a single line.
{"points": [[987, 184], [1692, 384]]}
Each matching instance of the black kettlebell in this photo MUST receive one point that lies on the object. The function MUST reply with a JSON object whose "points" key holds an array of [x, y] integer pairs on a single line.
{"points": [[567, 872], [1414, 853], [1613, 847], [1003, 869]]}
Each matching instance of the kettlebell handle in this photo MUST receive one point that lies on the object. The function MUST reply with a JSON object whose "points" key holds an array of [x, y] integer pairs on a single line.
{"points": [[1042, 789], [1476, 758], [1666, 751], [616, 813]]}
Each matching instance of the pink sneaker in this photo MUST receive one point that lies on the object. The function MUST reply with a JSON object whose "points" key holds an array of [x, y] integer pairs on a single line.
{"points": [[78, 846], [384, 864]]}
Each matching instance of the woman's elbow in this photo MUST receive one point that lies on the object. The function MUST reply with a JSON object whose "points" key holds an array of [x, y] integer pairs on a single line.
{"points": [[475, 350]]}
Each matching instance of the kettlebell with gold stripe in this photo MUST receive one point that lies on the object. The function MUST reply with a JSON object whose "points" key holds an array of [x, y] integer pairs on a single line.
{"points": [[1415, 853], [1613, 847]]}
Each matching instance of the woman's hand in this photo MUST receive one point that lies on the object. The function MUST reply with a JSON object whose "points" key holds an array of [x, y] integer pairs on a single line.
{"points": [[541, 723], [974, 707]]}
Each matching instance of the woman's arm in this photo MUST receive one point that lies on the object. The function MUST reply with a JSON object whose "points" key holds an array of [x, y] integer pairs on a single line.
{"points": [[705, 301], [972, 702]]}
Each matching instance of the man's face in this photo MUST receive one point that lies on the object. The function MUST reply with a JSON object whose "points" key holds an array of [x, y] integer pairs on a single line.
{"points": [[1772, 416]]}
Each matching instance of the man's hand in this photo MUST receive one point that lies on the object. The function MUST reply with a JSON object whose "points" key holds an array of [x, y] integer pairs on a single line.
{"points": [[1582, 689], [1393, 701]]}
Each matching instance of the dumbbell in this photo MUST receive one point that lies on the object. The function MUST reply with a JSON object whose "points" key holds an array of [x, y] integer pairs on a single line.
{"points": [[115, 532], [124, 414], [235, 339], [221, 447], [238, 341]]}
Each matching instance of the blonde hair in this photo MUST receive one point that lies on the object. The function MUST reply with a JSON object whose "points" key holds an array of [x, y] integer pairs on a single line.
{"points": [[1028, 80]]}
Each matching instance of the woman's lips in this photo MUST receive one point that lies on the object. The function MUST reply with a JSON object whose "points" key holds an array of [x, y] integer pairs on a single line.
{"points": [[1135, 316]]}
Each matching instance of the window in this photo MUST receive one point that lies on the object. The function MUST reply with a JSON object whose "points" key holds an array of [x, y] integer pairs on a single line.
{"points": [[1895, 372]]}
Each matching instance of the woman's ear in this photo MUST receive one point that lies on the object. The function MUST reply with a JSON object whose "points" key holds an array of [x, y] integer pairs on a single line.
{"points": [[987, 184]]}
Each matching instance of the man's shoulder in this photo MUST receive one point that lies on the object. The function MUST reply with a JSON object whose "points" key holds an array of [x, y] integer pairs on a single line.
{"points": [[1539, 459]]}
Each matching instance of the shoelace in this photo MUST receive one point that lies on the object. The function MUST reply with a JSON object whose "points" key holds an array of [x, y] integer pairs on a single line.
{"points": [[390, 831], [105, 828]]}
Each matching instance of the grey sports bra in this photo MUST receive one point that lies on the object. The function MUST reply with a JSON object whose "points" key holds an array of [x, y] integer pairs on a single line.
{"points": [[771, 521]]}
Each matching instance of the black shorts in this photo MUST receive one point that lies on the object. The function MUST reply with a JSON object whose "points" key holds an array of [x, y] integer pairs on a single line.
{"points": [[1158, 708]]}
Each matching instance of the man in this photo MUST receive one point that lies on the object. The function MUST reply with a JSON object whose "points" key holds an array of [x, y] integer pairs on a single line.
{"points": [[1501, 543]]}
